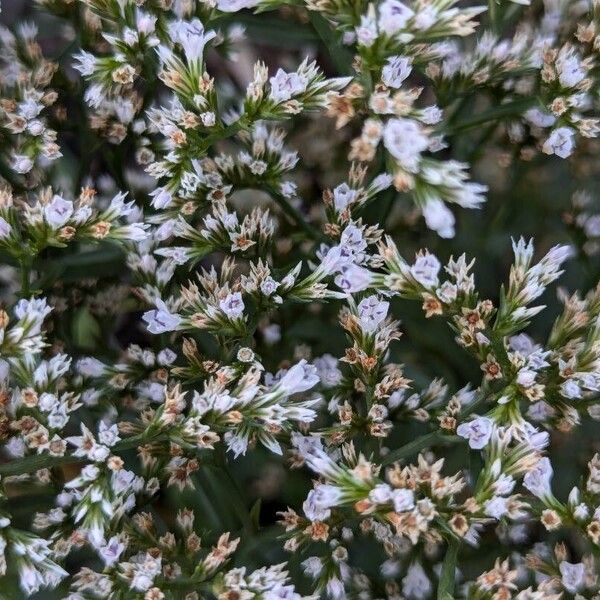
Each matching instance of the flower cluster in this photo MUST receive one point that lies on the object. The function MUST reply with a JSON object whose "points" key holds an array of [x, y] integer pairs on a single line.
{"points": [[251, 346]]}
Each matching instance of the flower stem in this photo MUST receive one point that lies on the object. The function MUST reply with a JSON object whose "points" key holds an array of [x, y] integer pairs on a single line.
{"points": [[447, 576]]}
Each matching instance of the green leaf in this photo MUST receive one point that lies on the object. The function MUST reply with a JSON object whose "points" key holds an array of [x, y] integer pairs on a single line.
{"points": [[448, 574], [255, 513], [86, 330], [341, 57]]}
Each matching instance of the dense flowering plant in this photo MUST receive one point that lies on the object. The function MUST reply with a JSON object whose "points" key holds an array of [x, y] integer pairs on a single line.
{"points": [[246, 350]]}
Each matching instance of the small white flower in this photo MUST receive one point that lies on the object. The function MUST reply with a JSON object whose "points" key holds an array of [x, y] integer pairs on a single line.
{"points": [[353, 279], [572, 576], [537, 481], [111, 552], [371, 312], [381, 493], [478, 432], [396, 70], [496, 507], [285, 86], [343, 195], [108, 434], [161, 319], [439, 218], [58, 212], [232, 305], [403, 500], [416, 584], [161, 198], [393, 16], [570, 389], [328, 371], [560, 142], [230, 6], [570, 71], [86, 63], [366, 32], [22, 164], [425, 270], [404, 140], [191, 36], [299, 378], [5, 228]]}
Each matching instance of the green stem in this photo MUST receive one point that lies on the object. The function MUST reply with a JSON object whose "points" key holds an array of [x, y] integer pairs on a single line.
{"points": [[233, 491], [493, 15], [294, 214], [510, 109], [447, 576], [425, 441], [25, 276], [30, 464]]}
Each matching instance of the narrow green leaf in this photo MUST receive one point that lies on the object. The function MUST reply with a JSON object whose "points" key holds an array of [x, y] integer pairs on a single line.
{"points": [[448, 574], [425, 441], [255, 513]]}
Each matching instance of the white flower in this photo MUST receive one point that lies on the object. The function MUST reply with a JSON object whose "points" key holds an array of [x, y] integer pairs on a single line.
{"points": [[161, 198], [136, 232], [328, 371], [320, 500], [90, 367], [396, 70], [439, 218], [381, 494], [526, 378], [572, 576], [5, 229], [496, 507], [166, 357], [111, 551], [426, 17], [403, 500], [570, 389], [343, 195], [108, 434], [299, 378], [371, 312], [271, 333], [404, 139], [393, 16], [268, 286], [432, 115], [58, 211], [22, 164], [191, 36], [353, 279], [478, 432], [232, 305], [540, 118], [537, 481], [416, 584], [145, 22], [312, 566], [560, 142], [86, 63], [87, 446], [285, 86], [366, 32], [161, 319], [503, 484], [570, 71], [235, 5], [425, 270]]}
